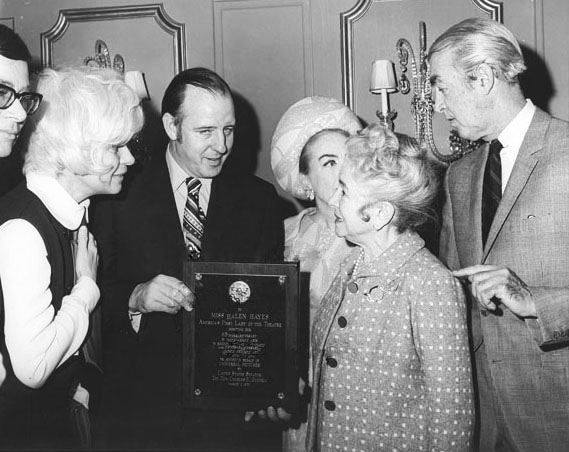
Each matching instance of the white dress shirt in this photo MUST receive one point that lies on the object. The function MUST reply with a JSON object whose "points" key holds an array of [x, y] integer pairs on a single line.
{"points": [[37, 338], [178, 178], [512, 137]]}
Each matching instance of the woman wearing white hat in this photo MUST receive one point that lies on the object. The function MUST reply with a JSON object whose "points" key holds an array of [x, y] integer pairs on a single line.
{"points": [[307, 150]]}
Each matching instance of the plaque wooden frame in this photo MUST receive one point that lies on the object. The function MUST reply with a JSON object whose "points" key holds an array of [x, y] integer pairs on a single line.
{"points": [[240, 343]]}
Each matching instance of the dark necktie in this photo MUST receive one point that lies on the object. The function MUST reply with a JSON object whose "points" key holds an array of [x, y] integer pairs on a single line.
{"points": [[193, 219], [492, 189]]}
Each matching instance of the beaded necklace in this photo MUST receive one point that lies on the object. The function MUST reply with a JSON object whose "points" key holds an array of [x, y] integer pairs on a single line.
{"points": [[352, 285]]}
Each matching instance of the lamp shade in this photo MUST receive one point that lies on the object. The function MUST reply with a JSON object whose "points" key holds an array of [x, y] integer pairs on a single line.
{"points": [[382, 77], [135, 79]]}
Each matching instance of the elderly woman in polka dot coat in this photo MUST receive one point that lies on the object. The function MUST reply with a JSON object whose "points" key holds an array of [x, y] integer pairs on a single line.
{"points": [[390, 343]]}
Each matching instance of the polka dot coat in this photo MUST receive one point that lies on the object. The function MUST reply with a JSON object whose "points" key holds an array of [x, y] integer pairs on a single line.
{"points": [[391, 361]]}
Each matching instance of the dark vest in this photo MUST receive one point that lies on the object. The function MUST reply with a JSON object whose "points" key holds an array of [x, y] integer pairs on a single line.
{"points": [[29, 416]]}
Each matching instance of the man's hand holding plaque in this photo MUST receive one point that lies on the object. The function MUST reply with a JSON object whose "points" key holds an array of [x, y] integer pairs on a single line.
{"points": [[161, 294]]}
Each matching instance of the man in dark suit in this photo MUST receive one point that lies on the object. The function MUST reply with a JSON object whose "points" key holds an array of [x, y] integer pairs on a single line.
{"points": [[144, 237], [504, 231]]}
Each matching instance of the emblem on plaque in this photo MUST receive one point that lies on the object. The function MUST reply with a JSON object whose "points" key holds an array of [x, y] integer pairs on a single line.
{"points": [[239, 292]]}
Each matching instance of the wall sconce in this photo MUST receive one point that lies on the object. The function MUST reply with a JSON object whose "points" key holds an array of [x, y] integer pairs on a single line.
{"points": [[422, 104], [102, 59], [383, 82]]}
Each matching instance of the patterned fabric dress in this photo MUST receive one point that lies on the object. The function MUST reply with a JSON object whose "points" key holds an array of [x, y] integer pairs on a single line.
{"points": [[320, 253], [391, 361]]}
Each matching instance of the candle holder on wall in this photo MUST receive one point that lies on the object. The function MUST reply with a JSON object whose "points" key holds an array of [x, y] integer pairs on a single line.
{"points": [[102, 58], [383, 82], [422, 103]]}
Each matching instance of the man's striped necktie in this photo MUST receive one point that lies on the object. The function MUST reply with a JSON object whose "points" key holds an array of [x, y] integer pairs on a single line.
{"points": [[193, 219]]}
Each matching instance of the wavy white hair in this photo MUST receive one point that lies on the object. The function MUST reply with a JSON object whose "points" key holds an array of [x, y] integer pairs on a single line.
{"points": [[481, 40], [85, 111]]}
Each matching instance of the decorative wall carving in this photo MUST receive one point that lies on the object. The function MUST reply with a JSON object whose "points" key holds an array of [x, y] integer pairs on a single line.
{"points": [[358, 11], [263, 48], [156, 11]]}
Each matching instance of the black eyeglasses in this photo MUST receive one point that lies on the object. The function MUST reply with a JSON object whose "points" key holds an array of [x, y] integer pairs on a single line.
{"points": [[30, 101]]}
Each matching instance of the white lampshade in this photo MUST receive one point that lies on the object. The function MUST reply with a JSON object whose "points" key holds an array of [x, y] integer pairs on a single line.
{"points": [[135, 79], [383, 77]]}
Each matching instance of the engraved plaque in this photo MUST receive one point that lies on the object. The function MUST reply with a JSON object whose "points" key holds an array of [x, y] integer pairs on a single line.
{"points": [[241, 339]]}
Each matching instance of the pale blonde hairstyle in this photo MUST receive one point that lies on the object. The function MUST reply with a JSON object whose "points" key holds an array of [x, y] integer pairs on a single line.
{"points": [[85, 111], [394, 168]]}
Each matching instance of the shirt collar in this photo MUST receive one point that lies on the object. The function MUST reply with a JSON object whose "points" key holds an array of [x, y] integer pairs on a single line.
{"points": [[178, 175], [57, 200], [514, 133]]}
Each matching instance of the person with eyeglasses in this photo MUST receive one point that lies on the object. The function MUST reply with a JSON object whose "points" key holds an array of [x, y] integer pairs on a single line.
{"points": [[77, 148], [29, 102], [14, 56], [16, 103]]}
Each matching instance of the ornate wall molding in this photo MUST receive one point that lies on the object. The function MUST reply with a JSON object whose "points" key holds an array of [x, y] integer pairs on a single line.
{"points": [[494, 9], [156, 11], [347, 19], [539, 31], [224, 9]]}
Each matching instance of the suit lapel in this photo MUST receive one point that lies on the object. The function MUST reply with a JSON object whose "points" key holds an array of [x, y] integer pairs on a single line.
{"points": [[158, 202], [216, 213], [466, 183], [527, 159]]}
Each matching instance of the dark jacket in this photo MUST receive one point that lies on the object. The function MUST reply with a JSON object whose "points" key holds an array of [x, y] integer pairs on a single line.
{"points": [[139, 236]]}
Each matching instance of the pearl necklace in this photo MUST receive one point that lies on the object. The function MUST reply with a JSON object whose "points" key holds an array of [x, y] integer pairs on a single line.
{"points": [[379, 290], [352, 285]]}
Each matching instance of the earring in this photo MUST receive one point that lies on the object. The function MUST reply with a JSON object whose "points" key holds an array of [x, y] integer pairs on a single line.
{"points": [[309, 192]]}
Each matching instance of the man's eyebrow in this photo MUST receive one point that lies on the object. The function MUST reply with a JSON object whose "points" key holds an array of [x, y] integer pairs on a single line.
{"points": [[434, 79], [11, 85]]}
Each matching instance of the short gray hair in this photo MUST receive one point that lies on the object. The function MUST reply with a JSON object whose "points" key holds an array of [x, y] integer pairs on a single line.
{"points": [[85, 111], [481, 40], [394, 168]]}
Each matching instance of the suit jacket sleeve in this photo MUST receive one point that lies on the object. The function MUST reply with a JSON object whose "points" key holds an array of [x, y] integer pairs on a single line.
{"points": [[552, 323]]}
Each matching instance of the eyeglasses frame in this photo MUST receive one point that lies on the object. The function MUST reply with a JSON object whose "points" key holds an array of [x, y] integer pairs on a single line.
{"points": [[17, 96]]}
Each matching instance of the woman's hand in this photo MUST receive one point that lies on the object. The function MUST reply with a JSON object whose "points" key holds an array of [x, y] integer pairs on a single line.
{"points": [[86, 257]]}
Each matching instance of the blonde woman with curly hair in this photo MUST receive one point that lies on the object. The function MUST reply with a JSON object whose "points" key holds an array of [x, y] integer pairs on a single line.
{"points": [[77, 149]]}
